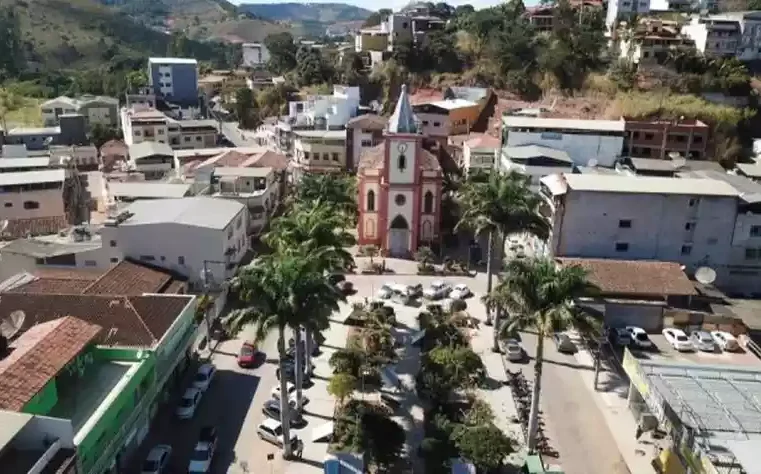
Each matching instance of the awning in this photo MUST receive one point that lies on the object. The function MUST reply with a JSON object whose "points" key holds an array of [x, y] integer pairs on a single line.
{"points": [[322, 432], [390, 378]]}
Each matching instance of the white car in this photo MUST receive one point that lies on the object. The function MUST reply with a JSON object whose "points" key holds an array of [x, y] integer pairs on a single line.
{"points": [[203, 454], [188, 404], [460, 292], [385, 292], [437, 290], [678, 339], [272, 431], [204, 376], [725, 340], [703, 341], [291, 388], [157, 460], [639, 338], [513, 350]]}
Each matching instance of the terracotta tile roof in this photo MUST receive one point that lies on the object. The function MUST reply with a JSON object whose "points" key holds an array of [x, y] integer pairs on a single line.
{"points": [[230, 158], [483, 141], [268, 159], [373, 158], [634, 277], [368, 122], [129, 278], [126, 320], [423, 96], [429, 161], [114, 147], [38, 355], [20, 228]]}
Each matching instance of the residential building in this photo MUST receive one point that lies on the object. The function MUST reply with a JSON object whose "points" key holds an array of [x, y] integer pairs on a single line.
{"points": [[714, 37], [325, 111], [683, 6], [256, 188], [199, 155], [71, 130], [97, 110], [188, 235], [140, 124], [194, 134], [318, 151], [400, 188], [652, 41], [661, 139], [34, 443], [749, 43], [480, 153], [583, 140], [16, 165], [201, 171], [174, 79], [134, 191], [542, 17], [623, 10], [395, 29], [153, 159], [32, 203], [255, 55], [362, 133], [83, 158], [535, 161], [112, 154]]}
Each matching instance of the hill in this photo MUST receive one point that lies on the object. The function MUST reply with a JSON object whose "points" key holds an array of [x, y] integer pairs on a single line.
{"points": [[307, 18]]}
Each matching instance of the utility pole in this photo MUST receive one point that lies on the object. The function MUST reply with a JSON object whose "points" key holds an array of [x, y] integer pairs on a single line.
{"points": [[205, 273], [598, 362]]}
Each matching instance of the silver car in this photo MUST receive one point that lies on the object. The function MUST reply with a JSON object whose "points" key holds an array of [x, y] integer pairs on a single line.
{"points": [[513, 350], [703, 341]]}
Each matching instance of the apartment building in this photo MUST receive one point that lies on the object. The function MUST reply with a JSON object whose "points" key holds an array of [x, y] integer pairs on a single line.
{"points": [[441, 118], [174, 79], [714, 37], [325, 111], [256, 188], [362, 133], [394, 29], [652, 41], [141, 124], [583, 140], [480, 153], [318, 151], [98, 110], [32, 203], [534, 161], [255, 55], [623, 10], [749, 23], [153, 159], [661, 139]]}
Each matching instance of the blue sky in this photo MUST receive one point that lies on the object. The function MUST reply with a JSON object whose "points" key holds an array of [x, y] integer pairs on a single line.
{"points": [[395, 4]]}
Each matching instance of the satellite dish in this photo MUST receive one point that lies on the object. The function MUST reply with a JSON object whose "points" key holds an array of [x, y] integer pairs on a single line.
{"points": [[705, 275], [11, 325], [592, 163]]}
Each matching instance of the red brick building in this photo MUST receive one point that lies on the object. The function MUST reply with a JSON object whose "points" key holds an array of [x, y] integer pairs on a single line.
{"points": [[659, 138]]}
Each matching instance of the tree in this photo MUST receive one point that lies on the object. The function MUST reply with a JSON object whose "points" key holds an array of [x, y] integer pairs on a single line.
{"points": [[246, 109], [335, 190], [439, 53], [352, 69], [500, 206], [12, 59], [136, 80], [9, 102], [311, 67], [538, 295], [486, 446], [274, 100], [100, 134], [341, 386], [282, 52], [376, 18], [383, 438], [282, 290]]}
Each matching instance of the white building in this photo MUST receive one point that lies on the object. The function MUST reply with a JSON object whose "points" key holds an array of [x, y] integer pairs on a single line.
{"points": [[713, 37], [143, 124], [257, 188], [325, 111], [99, 110], [621, 10], [255, 55], [184, 235], [480, 153], [749, 24], [583, 140]]}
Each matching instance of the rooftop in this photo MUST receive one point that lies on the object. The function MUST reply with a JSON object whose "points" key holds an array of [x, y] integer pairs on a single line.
{"points": [[11, 424], [173, 61], [748, 190], [453, 104], [324, 134], [146, 149], [205, 153], [634, 277], [51, 280], [32, 177], [374, 158], [198, 124], [752, 170], [483, 142], [6, 163], [191, 211], [525, 152], [403, 119], [368, 122], [81, 100], [560, 184], [147, 189], [473, 94], [34, 226], [515, 121], [243, 172], [35, 131], [38, 355]]}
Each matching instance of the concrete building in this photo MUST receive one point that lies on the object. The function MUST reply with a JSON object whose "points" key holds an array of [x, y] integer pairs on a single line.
{"points": [[174, 79], [583, 140], [256, 188], [32, 203], [480, 153], [362, 133], [542, 18], [652, 41], [394, 29], [140, 124], [255, 55], [134, 191], [325, 111], [72, 130], [153, 159], [97, 110], [318, 151], [184, 235], [714, 37], [34, 443], [399, 188], [749, 22], [622, 10], [535, 161], [660, 139]]}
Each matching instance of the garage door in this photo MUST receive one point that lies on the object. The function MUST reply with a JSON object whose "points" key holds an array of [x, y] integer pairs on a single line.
{"points": [[648, 317]]}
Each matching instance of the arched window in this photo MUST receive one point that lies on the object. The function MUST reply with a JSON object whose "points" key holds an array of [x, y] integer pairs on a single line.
{"points": [[371, 200], [402, 162], [428, 203]]}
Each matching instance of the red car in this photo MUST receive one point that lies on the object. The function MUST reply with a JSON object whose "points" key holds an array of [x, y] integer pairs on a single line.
{"points": [[247, 355]]}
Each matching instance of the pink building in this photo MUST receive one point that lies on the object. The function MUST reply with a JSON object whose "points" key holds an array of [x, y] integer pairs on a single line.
{"points": [[399, 188]]}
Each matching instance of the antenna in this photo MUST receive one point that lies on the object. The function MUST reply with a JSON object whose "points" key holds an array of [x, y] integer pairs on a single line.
{"points": [[11, 325], [705, 275]]}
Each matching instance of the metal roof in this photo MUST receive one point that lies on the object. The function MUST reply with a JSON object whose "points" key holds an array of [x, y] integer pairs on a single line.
{"points": [[148, 189], [525, 152], [647, 185], [24, 162], [650, 164], [748, 190], [191, 211], [516, 121], [146, 149], [208, 123], [38, 248], [32, 177], [746, 453], [750, 169], [453, 104]]}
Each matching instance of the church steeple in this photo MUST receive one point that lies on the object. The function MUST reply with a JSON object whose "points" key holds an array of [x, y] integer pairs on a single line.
{"points": [[403, 119]]}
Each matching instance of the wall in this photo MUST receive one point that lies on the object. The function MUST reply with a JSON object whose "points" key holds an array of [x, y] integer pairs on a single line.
{"points": [[302, 146], [44, 401], [461, 119], [50, 204], [429, 121], [580, 148], [478, 159], [33, 435], [397, 147], [100, 114]]}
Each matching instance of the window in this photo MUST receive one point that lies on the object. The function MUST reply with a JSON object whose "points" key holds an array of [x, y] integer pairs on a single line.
{"points": [[428, 203], [147, 258], [686, 249], [163, 258], [160, 131], [625, 224], [306, 156], [622, 247], [649, 136], [326, 156], [402, 162], [230, 233], [91, 263], [371, 201], [755, 231], [697, 139], [198, 139], [425, 123], [239, 222], [31, 205], [645, 54], [400, 199], [335, 156], [181, 260], [8, 204], [404, 24], [187, 139], [366, 143], [112, 243], [114, 260]]}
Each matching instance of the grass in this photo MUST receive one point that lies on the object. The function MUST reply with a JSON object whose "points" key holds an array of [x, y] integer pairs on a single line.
{"points": [[28, 115]]}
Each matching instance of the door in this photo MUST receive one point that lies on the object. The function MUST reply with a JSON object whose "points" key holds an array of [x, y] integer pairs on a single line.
{"points": [[399, 237]]}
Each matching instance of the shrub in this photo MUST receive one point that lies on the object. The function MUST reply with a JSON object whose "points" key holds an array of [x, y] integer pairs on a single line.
{"points": [[346, 361], [458, 305]]}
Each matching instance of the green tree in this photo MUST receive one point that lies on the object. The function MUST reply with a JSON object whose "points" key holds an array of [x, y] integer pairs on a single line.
{"points": [[352, 69], [282, 52], [383, 438], [376, 18], [274, 100], [12, 60], [439, 53], [336, 190], [9, 102], [311, 68], [341, 386], [501, 205], [486, 446], [100, 134], [136, 80], [538, 295], [246, 109]]}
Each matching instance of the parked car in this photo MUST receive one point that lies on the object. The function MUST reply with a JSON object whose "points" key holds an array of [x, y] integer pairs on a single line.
{"points": [[639, 337], [272, 431], [291, 388], [204, 377], [564, 343], [678, 339], [619, 336], [203, 454], [460, 292], [271, 409], [415, 291], [513, 350], [385, 291], [188, 403], [247, 355], [290, 371], [726, 341], [437, 290], [157, 460], [703, 341]]}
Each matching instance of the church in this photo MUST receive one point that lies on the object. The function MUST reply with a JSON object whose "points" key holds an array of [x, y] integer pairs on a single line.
{"points": [[399, 185]]}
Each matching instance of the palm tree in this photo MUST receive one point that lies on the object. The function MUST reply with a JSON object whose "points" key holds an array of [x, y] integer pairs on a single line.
{"points": [[282, 290], [499, 206], [539, 295], [340, 191]]}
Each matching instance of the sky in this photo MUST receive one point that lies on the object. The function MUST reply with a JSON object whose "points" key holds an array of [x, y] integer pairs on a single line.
{"points": [[395, 4]]}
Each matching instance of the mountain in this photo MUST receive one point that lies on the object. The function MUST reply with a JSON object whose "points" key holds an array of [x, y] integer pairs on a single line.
{"points": [[327, 13]]}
